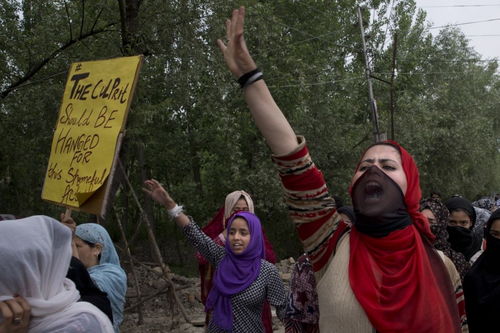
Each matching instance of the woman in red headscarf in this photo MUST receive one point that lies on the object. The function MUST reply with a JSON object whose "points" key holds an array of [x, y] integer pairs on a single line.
{"points": [[382, 274]]}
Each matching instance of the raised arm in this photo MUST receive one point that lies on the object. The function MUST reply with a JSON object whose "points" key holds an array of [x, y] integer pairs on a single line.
{"points": [[156, 191], [68, 221], [310, 205], [207, 247], [267, 115]]}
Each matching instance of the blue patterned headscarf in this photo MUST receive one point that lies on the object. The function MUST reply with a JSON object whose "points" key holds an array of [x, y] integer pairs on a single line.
{"points": [[108, 274]]}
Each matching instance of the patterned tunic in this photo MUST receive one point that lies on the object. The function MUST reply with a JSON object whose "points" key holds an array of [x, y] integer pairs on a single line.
{"points": [[246, 305]]}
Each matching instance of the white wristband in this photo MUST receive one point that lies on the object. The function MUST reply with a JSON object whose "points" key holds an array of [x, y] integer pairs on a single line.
{"points": [[176, 211]]}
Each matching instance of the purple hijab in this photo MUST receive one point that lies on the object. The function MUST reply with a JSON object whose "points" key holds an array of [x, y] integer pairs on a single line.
{"points": [[235, 272]]}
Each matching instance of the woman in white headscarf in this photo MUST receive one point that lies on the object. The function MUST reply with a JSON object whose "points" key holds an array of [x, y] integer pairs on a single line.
{"points": [[36, 252]]}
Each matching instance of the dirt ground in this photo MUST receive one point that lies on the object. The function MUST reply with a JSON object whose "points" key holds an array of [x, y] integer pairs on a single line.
{"points": [[157, 311]]}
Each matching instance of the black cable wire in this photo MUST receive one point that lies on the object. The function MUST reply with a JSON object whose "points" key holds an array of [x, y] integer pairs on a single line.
{"points": [[465, 23], [464, 6]]}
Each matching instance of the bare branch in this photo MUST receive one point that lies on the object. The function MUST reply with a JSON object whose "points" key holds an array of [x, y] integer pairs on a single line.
{"points": [[83, 17], [134, 274], [96, 19], [54, 54], [42, 80], [69, 20], [123, 20]]}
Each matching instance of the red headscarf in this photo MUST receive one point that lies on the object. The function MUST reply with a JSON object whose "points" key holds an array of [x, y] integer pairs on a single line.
{"points": [[399, 280]]}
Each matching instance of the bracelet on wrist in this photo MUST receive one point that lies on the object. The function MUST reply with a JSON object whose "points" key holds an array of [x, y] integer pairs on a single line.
{"points": [[249, 78], [176, 211]]}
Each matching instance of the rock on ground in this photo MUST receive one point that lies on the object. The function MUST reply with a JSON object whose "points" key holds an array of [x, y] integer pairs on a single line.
{"points": [[157, 312]]}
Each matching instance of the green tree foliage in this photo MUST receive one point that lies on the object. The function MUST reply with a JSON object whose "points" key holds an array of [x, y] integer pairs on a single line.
{"points": [[189, 126], [39, 41], [448, 103]]}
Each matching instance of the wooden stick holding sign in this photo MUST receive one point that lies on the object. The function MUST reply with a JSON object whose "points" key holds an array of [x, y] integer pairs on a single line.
{"points": [[89, 131]]}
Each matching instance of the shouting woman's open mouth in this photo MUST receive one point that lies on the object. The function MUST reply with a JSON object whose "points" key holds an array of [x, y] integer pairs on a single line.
{"points": [[373, 190]]}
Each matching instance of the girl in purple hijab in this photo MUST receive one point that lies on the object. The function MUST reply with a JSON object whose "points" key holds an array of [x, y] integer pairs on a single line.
{"points": [[243, 280]]}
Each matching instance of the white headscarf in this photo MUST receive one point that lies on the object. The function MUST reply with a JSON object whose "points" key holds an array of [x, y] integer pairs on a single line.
{"points": [[231, 200], [35, 254]]}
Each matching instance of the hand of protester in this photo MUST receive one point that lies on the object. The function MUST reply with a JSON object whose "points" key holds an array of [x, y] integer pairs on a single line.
{"points": [[15, 315], [238, 59], [156, 191], [69, 222]]}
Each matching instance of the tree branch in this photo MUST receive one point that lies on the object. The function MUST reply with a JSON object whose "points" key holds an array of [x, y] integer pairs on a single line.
{"points": [[96, 19], [123, 20], [83, 17], [69, 21], [54, 54]]}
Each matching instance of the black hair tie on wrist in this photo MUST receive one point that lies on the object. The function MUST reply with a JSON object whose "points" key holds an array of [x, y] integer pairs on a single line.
{"points": [[251, 77]]}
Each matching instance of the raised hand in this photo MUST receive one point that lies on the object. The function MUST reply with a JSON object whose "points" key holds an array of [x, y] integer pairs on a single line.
{"points": [[268, 117], [235, 52], [69, 222], [156, 191]]}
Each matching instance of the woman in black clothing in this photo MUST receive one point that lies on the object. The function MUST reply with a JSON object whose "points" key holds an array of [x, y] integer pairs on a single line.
{"points": [[460, 224], [79, 274], [482, 282]]}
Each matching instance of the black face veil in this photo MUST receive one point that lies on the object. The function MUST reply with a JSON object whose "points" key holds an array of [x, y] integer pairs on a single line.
{"points": [[378, 204]]}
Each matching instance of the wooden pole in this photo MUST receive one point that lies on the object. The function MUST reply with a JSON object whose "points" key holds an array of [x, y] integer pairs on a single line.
{"points": [[377, 136], [393, 88], [154, 245], [134, 274]]}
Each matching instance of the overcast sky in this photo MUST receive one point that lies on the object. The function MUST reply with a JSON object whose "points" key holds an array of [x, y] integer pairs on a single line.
{"points": [[483, 36]]}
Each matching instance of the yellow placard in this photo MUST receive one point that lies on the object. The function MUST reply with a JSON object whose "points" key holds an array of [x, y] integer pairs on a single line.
{"points": [[93, 113]]}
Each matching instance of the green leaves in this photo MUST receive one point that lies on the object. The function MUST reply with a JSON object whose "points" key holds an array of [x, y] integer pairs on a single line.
{"points": [[190, 115]]}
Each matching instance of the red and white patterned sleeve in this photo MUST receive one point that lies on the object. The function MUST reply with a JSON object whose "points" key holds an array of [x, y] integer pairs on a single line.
{"points": [[310, 206]]}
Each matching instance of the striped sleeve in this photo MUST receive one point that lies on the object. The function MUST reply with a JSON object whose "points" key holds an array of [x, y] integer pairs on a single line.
{"points": [[459, 292], [310, 205]]}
